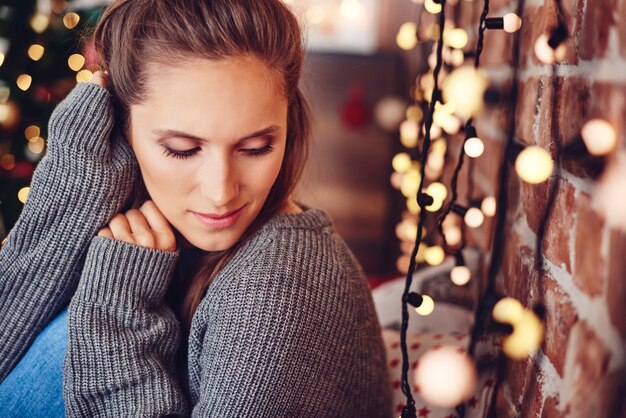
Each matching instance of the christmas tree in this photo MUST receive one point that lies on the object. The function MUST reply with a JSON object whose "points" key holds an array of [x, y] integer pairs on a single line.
{"points": [[44, 51]]}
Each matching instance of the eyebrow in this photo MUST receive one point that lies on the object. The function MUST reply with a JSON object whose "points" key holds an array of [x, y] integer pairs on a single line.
{"points": [[174, 132]]}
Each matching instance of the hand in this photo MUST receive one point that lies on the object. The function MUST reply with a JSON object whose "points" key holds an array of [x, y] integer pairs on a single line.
{"points": [[145, 226]]}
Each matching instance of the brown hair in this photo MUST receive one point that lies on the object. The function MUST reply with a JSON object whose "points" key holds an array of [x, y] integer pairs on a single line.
{"points": [[132, 33]]}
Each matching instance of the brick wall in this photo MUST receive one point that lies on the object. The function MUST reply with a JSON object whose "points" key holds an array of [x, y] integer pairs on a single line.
{"points": [[580, 369]]}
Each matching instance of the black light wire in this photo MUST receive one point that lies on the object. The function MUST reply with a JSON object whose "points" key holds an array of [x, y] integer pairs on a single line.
{"points": [[408, 411]]}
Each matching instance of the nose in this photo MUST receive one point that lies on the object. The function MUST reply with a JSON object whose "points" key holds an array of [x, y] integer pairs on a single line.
{"points": [[219, 183]]}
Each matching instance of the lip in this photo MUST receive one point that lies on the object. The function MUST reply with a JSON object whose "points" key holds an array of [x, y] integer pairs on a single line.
{"points": [[219, 221]]}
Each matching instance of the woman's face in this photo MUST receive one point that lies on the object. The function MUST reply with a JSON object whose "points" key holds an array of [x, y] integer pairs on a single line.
{"points": [[210, 139]]}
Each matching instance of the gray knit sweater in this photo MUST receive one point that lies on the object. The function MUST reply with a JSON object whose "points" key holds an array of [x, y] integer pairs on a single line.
{"points": [[286, 329]]}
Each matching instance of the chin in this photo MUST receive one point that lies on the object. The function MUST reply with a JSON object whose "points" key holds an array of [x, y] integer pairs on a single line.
{"points": [[213, 244]]}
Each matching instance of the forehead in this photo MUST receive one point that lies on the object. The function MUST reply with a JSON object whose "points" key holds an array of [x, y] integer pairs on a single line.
{"points": [[221, 97]]}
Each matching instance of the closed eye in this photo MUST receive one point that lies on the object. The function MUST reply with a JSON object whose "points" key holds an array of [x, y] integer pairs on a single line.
{"points": [[180, 154]]}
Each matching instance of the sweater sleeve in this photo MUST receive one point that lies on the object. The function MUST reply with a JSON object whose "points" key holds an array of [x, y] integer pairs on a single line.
{"points": [[122, 336], [82, 181], [292, 337]]}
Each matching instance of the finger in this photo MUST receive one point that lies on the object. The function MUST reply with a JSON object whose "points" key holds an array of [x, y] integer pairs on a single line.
{"points": [[139, 228], [100, 78], [165, 239], [105, 232], [121, 229]]}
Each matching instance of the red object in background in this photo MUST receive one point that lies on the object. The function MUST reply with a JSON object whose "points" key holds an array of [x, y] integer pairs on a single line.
{"points": [[356, 113], [22, 169], [91, 57]]}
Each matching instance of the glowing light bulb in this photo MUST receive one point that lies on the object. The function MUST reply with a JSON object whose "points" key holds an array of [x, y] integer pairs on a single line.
{"points": [[488, 206], [456, 38], [22, 194], [1, 59], [36, 145], [460, 275], [401, 162], [609, 198], [465, 88], [474, 147], [84, 76], [39, 22], [599, 137], [76, 61], [534, 165], [446, 376], [508, 310], [389, 112], [434, 255], [35, 52], [527, 335], [24, 81], [32, 131], [70, 20], [351, 9], [453, 235], [438, 192], [474, 217], [457, 58], [409, 133], [7, 161], [427, 307], [410, 182], [545, 53], [407, 36], [414, 113], [432, 7], [412, 206], [512, 22]]}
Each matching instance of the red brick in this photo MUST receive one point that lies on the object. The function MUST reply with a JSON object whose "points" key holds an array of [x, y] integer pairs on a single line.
{"points": [[504, 408], [590, 273], [621, 29], [498, 49], [536, 21], [533, 394], [586, 364], [517, 375], [573, 104], [560, 222], [560, 317], [519, 274], [616, 294], [597, 23], [551, 408], [527, 110]]}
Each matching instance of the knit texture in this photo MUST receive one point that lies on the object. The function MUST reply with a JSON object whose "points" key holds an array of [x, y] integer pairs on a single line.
{"points": [[286, 329]]}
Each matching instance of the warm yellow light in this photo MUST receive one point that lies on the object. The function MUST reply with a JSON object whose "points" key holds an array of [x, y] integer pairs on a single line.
{"points": [[70, 20], [508, 311], [35, 52], [465, 88], [460, 275], [451, 125], [488, 206], [474, 147], [439, 146], [446, 376], [401, 162], [599, 137], [546, 54], [76, 61], [474, 217], [512, 22], [5, 93], [527, 335], [1, 59], [351, 9], [407, 36], [315, 14], [410, 182], [414, 113], [32, 131], [39, 22], [432, 7], [534, 165], [24, 81], [22, 195], [395, 180], [457, 58], [456, 38], [434, 255], [453, 235], [412, 206], [427, 307], [434, 165], [36, 145], [84, 76], [409, 133], [438, 192]]}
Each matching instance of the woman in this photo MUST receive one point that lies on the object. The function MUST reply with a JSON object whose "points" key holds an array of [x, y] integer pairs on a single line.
{"points": [[216, 294]]}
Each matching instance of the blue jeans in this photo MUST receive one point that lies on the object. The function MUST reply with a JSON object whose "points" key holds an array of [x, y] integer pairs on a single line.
{"points": [[34, 388]]}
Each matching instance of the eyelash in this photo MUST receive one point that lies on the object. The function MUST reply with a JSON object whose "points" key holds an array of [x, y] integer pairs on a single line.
{"points": [[253, 152]]}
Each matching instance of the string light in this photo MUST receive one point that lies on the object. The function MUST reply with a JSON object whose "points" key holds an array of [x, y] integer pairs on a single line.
{"points": [[473, 217], [22, 194], [407, 36], [71, 20], [409, 133], [39, 22], [473, 145], [24, 81], [76, 61], [488, 206], [434, 255], [84, 76], [599, 137], [32, 131], [534, 165], [511, 23], [1, 59], [446, 376], [401, 162], [545, 53], [460, 273], [465, 87], [432, 7], [426, 307], [35, 52], [456, 38]]}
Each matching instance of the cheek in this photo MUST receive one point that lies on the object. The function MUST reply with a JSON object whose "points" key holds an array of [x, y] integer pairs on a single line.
{"points": [[262, 175]]}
